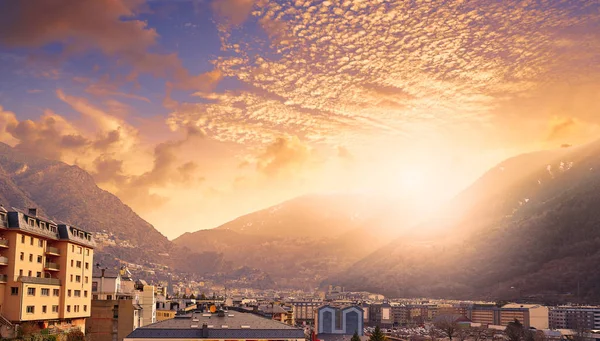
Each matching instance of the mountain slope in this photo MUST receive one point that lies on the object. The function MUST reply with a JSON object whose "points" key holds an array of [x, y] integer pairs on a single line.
{"points": [[528, 227], [69, 194], [300, 241]]}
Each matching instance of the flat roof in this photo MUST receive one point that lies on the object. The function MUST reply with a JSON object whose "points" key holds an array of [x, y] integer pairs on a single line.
{"points": [[234, 325]]}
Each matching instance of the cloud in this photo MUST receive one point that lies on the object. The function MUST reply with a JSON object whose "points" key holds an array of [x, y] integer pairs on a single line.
{"points": [[109, 26], [560, 127], [232, 12], [283, 157]]}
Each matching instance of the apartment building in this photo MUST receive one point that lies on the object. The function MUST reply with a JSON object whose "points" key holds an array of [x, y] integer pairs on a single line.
{"points": [[305, 311], [45, 270], [380, 315], [586, 318], [531, 315], [339, 321]]}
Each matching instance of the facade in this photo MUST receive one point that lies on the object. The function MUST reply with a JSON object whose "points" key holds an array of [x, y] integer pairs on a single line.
{"points": [[531, 315], [119, 305], [380, 315], [45, 271], [113, 319], [230, 325], [339, 320], [166, 310], [485, 314], [586, 318], [305, 311]]}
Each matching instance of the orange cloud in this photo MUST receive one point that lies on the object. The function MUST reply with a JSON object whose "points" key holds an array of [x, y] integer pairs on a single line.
{"points": [[232, 12], [283, 156]]}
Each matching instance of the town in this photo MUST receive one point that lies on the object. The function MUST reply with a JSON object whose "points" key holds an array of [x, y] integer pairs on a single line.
{"points": [[51, 286]]}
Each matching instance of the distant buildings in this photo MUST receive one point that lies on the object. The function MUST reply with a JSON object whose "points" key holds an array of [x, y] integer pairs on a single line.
{"points": [[379, 315], [578, 318], [45, 271], [230, 325]]}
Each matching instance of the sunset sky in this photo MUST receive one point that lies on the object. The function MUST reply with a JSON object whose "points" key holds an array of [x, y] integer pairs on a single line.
{"points": [[207, 110]]}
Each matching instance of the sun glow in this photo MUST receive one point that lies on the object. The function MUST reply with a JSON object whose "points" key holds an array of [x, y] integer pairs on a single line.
{"points": [[411, 180]]}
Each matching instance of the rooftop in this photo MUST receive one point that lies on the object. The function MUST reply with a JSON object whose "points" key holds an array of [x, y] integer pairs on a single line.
{"points": [[233, 325]]}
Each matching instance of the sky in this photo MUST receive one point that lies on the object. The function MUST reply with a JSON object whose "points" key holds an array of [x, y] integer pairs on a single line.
{"points": [[210, 109]]}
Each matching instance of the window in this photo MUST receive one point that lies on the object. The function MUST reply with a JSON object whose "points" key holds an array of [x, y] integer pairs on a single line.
{"points": [[87, 251], [30, 257], [79, 250], [55, 292], [78, 264], [44, 310], [45, 292], [21, 272], [68, 309], [94, 297], [84, 307], [22, 256], [40, 243], [39, 259], [31, 240], [53, 228], [78, 279], [116, 311], [29, 273], [87, 265], [85, 293], [72, 262], [22, 239], [77, 293], [31, 223], [42, 225], [69, 292], [38, 274], [55, 309], [109, 297], [76, 308], [30, 309], [31, 291], [87, 279], [73, 248], [14, 291]]}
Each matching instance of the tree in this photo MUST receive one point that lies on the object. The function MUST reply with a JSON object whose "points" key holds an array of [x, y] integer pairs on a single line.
{"points": [[462, 333], [447, 324], [480, 334], [355, 337], [75, 335], [377, 335], [27, 329], [192, 296], [433, 333], [202, 296], [515, 331]]}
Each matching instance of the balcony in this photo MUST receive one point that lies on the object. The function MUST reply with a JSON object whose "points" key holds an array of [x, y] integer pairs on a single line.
{"points": [[51, 266], [3, 260], [52, 251], [4, 243], [39, 280], [3, 278]]}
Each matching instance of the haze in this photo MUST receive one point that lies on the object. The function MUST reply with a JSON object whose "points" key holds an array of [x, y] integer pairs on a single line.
{"points": [[196, 112]]}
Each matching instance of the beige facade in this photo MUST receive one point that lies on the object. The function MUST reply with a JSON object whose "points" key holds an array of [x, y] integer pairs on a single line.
{"points": [[162, 314], [45, 270], [113, 320]]}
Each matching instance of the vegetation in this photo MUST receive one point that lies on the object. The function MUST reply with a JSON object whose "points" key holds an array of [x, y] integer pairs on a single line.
{"points": [[355, 337], [377, 335], [447, 325], [75, 335]]}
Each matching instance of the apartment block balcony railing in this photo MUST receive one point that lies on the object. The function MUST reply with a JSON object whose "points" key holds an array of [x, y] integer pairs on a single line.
{"points": [[52, 251], [39, 280], [3, 260], [51, 266], [4, 243]]}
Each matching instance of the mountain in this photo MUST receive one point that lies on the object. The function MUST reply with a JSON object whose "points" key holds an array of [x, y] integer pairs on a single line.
{"points": [[529, 227], [69, 194], [301, 241]]}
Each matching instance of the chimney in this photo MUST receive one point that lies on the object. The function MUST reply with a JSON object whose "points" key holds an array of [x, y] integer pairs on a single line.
{"points": [[32, 211], [204, 330], [103, 272]]}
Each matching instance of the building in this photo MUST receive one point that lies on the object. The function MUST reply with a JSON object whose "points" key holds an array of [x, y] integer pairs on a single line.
{"points": [[585, 318], [339, 320], [486, 315], [113, 319], [45, 271], [380, 315], [530, 315], [305, 311], [277, 312], [218, 326], [166, 310], [119, 305]]}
